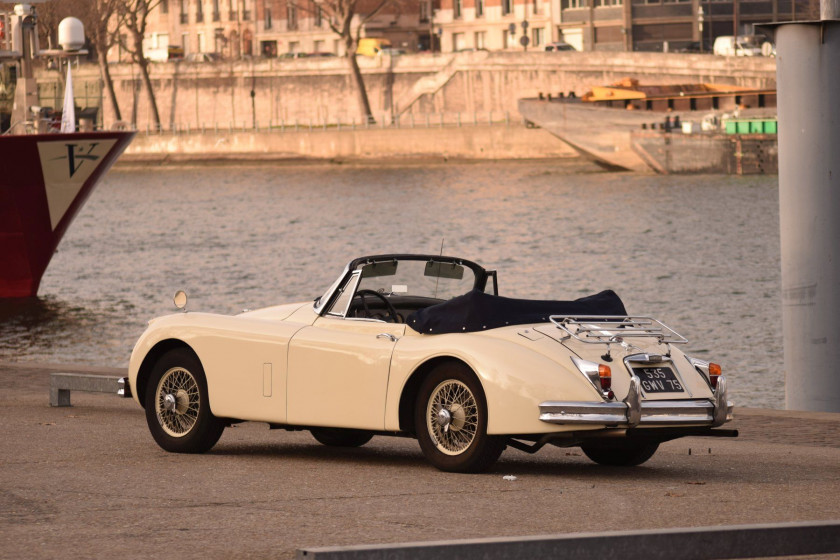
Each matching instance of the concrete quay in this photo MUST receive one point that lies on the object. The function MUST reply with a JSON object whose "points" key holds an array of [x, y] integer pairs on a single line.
{"points": [[304, 143], [89, 482]]}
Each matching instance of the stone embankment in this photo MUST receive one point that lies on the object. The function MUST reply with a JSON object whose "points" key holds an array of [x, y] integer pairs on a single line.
{"points": [[360, 144], [322, 89]]}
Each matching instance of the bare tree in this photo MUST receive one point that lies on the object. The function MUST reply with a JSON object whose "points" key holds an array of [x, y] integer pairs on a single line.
{"points": [[340, 16], [134, 15], [101, 20]]}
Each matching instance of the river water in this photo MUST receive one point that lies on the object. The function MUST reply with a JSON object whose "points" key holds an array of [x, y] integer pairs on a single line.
{"points": [[701, 253]]}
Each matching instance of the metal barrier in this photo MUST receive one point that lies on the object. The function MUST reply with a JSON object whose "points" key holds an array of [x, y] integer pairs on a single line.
{"points": [[703, 543], [62, 383]]}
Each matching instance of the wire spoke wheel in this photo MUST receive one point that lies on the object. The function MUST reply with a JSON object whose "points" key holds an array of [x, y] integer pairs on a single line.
{"points": [[452, 417], [450, 420], [177, 402]]}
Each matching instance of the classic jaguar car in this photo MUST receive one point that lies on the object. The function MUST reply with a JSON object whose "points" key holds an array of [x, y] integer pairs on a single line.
{"points": [[423, 346]]}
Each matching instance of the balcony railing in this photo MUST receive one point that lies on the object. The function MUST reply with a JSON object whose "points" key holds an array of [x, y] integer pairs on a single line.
{"points": [[185, 18], [233, 15], [199, 17], [246, 15], [217, 16]]}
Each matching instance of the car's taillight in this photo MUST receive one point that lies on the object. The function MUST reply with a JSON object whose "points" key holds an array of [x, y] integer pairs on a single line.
{"points": [[714, 374], [599, 374], [605, 375], [710, 370]]}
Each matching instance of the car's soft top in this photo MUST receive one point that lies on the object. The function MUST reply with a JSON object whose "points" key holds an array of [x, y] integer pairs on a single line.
{"points": [[477, 311]]}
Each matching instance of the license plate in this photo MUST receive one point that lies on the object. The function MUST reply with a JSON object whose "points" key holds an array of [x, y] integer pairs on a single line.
{"points": [[658, 380]]}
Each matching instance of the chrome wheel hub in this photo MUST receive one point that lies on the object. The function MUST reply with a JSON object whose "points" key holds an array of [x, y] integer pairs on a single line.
{"points": [[169, 402], [444, 418]]}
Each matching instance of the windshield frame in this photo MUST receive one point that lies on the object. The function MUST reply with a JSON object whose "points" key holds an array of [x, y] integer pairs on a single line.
{"points": [[325, 301]]}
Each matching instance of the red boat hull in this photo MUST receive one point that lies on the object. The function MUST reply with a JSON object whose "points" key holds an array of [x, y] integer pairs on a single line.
{"points": [[45, 180]]}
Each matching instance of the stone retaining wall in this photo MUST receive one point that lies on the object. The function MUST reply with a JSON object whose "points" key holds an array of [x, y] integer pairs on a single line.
{"points": [[468, 83]]}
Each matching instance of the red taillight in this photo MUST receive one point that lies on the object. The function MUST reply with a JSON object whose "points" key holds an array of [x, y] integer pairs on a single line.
{"points": [[605, 375], [714, 373]]}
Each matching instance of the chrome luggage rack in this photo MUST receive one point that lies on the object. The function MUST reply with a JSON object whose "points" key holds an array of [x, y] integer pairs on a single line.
{"points": [[613, 329]]}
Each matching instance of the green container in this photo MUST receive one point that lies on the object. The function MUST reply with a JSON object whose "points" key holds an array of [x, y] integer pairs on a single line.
{"points": [[742, 127], [771, 126], [730, 127], [756, 127]]}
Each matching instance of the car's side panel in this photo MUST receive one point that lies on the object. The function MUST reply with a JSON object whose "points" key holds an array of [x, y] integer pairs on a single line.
{"points": [[338, 373], [515, 378], [244, 360]]}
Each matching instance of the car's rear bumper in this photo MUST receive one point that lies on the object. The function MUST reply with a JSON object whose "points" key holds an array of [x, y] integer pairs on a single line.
{"points": [[633, 411]]}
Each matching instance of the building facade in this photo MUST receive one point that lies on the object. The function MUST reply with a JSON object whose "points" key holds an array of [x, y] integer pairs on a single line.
{"points": [[271, 28], [495, 24]]}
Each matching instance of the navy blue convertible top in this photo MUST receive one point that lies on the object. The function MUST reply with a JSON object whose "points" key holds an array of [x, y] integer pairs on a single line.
{"points": [[477, 311]]}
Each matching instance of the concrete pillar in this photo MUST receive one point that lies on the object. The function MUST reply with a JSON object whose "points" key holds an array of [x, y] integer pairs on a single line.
{"points": [[809, 203]]}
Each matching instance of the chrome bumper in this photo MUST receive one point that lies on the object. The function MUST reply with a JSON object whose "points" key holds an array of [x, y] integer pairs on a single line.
{"points": [[633, 411]]}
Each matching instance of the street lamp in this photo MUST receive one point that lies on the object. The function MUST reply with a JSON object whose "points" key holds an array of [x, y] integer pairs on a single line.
{"points": [[700, 20]]}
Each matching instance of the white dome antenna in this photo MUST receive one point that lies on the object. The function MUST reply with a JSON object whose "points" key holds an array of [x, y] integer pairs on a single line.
{"points": [[71, 34]]}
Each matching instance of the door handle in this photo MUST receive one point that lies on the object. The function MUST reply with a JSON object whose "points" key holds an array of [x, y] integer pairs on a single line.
{"points": [[389, 336]]}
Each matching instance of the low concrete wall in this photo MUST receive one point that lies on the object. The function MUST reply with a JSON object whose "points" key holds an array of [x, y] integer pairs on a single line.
{"points": [[469, 142]]}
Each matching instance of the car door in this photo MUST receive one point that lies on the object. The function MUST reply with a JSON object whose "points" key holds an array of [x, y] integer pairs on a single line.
{"points": [[338, 372]]}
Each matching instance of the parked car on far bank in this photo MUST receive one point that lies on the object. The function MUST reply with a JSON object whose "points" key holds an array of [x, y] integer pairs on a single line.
{"points": [[742, 45], [559, 46]]}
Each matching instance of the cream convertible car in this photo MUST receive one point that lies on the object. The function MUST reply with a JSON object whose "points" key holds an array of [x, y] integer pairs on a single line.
{"points": [[422, 346]]}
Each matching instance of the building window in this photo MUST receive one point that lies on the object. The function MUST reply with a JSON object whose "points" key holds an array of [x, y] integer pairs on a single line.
{"points": [[268, 21], [268, 49], [319, 46], [291, 18], [537, 37], [185, 43], [506, 39], [184, 17], [479, 8], [457, 6], [458, 42], [294, 46], [572, 4], [536, 6], [507, 8], [425, 11], [318, 16], [164, 6], [202, 46], [480, 39], [199, 12]]}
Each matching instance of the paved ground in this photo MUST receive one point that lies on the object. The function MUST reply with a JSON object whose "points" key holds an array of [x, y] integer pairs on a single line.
{"points": [[89, 482]]}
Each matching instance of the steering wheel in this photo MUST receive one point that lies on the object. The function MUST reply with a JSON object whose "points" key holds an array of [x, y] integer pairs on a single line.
{"points": [[391, 318]]}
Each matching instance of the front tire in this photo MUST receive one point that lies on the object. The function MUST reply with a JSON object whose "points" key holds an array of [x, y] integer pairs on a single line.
{"points": [[619, 453], [177, 408], [341, 437], [450, 420]]}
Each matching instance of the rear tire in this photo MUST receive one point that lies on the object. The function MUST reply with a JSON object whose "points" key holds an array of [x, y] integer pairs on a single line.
{"points": [[341, 437], [626, 453], [177, 407], [450, 420]]}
